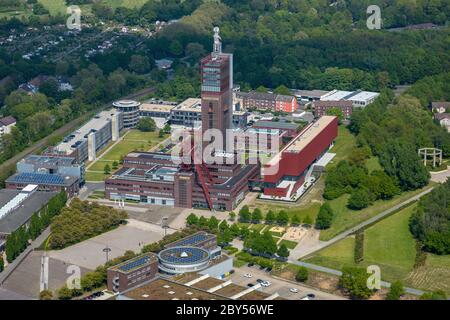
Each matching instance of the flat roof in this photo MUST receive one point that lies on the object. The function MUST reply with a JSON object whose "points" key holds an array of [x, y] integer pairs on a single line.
{"points": [[164, 289], [135, 263], [336, 95], [23, 213], [310, 93], [49, 161], [190, 104], [156, 107], [363, 96], [191, 240], [42, 179], [96, 123], [309, 134], [276, 125]]}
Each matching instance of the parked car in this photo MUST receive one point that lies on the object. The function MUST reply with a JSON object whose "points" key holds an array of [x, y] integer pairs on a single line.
{"points": [[250, 285], [293, 290], [251, 264], [259, 280], [265, 283], [248, 275]]}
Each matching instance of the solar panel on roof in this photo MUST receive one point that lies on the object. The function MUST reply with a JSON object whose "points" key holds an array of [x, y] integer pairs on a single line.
{"points": [[183, 255], [192, 240], [38, 178], [135, 264]]}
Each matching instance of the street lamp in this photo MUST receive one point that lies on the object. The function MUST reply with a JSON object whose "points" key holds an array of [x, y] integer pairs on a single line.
{"points": [[107, 250], [165, 224]]}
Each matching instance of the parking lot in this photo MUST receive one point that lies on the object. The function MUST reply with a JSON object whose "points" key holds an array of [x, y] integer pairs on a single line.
{"points": [[277, 285]]}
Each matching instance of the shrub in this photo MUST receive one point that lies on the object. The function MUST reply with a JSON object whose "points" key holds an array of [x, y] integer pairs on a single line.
{"points": [[302, 274], [396, 291], [325, 217], [359, 247], [354, 281], [45, 295]]}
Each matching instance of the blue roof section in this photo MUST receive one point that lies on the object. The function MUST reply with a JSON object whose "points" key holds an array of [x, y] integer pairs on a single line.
{"points": [[192, 240], [184, 255], [37, 178], [134, 264]]}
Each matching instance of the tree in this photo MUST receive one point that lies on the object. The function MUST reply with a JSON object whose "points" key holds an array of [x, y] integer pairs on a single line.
{"points": [[282, 90], [244, 214], [282, 218], [256, 215], [302, 274], [146, 124], [262, 89], [115, 165], [430, 220], [107, 169], [64, 293], [235, 230], [295, 221], [336, 112], [139, 64], [436, 295], [45, 295], [192, 220], [400, 160], [324, 217], [359, 199], [195, 51], [2, 264], [283, 251], [308, 220], [35, 227], [396, 291], [202, 222], [270, 217], [213, 223], [232, 216], [354, 281]]}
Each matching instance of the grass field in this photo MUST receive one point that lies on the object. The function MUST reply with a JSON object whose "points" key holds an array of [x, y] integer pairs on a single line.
{"points": [[133, 140], [346, 218], [390, 245], [125, 3], [289, 244], [343, 145], [373, 164], [95, 176], [54, 6]]}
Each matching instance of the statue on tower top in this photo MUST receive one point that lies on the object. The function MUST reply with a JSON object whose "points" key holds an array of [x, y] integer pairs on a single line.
{"points": [[217, 41]]}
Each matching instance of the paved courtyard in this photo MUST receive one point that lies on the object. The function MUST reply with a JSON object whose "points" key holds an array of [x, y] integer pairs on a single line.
{"points": [[25, 280], [89, 254]]}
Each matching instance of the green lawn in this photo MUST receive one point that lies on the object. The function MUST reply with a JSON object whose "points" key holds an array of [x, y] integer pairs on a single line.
{"points": [[336, 255], [95, 176], [346, 218], [55, 6], [435, 275], [100, 165], [343, 145], [373, 164], [289, 244], [125, 3], [258, 227], [390, 245], [132, 141]]}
